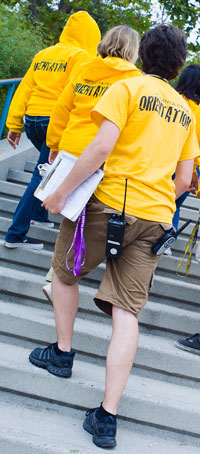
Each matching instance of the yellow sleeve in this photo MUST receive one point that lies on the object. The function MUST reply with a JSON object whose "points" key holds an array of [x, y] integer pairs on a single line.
{"points": [[19, 102], [196, 162], [60, 116], [114, 106], [197, 116], [191, 147]]}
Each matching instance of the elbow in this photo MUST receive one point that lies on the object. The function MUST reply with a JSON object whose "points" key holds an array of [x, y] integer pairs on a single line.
{"points": [[186, 183], [103, 149]]}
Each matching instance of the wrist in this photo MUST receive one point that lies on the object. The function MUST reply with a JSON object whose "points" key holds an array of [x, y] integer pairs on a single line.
{"points": [[59, 193]]}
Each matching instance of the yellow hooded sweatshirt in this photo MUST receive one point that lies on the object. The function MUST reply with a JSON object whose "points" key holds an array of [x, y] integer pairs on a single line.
{"points": [[51, 69], [70, 127]]}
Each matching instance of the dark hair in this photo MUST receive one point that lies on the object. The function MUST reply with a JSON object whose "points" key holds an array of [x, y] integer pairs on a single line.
{"points": [[189, 83], [163, 51]]}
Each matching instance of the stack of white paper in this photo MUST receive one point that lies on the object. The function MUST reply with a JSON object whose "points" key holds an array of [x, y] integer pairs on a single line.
{"points": [[55, 175]]}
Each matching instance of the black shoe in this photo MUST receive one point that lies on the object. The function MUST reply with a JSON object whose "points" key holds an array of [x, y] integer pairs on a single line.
{"points": [[190, 344], [47, 358], [103, 430]]}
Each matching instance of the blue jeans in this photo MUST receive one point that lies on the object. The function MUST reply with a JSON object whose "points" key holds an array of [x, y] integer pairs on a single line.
{"points": [[179, 203], [29, 206]]}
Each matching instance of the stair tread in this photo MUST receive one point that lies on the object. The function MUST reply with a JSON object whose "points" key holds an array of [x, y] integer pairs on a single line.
{"points": [[146, 388], [92, 337], [64, 434]]}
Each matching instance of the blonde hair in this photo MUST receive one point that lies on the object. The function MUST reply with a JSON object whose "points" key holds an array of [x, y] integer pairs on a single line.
{"points": [[120, 41]]}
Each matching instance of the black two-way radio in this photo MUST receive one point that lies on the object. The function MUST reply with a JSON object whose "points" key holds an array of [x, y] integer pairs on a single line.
{"points": [[115, 231], [168, 239]]}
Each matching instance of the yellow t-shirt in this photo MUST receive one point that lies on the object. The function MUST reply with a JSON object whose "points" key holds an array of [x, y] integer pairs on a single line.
{"points": [[157, 129], [197, 116], [196, 111]]}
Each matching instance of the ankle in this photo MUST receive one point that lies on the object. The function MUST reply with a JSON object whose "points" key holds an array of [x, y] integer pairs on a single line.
{"points": [[109, 407], [62, 348]]}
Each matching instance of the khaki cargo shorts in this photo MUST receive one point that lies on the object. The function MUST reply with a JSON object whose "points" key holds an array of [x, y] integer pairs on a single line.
{"points": [[127, 280]]}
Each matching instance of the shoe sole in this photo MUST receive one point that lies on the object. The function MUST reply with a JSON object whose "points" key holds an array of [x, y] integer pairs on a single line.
{"points": [[104, 444], [23, 246], [47, 294], [45, 226], [99, 442], [187, 349], [64, 373]]}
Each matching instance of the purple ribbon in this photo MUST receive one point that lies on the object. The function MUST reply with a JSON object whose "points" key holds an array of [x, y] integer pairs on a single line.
{"points": [[79, 243]]}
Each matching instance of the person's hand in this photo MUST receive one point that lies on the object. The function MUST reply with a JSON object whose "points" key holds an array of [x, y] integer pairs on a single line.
{"points": [[194, 183], [52, 156], [54, 203], [13, 138]]}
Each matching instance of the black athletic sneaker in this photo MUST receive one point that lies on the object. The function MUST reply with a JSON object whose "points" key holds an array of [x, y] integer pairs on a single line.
{"points": [[103, 430], [57, 364], [190, 344]]}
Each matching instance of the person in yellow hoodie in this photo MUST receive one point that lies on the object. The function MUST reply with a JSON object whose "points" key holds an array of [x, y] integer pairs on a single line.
{"points": [[118, 53], [35, 98]]}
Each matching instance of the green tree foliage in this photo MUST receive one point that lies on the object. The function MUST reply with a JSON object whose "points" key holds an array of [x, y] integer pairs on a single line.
{"points": [[184, 14], [19, 42], [52, 14]]}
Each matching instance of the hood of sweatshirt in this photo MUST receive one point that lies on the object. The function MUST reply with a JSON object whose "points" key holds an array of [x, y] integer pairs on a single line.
{"points": [[81, 31], [100, 68]]}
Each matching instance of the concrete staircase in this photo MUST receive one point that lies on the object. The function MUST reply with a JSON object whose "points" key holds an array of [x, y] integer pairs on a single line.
{"points": [[160, 408]]}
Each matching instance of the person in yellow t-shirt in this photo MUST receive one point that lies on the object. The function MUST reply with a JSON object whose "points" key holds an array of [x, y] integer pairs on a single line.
{"points": [[35, 98], [146, 133], [73, 108]]}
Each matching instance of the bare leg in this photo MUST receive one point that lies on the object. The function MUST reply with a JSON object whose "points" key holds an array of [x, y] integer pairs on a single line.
{"points": [[65, 303], [120, 356]]}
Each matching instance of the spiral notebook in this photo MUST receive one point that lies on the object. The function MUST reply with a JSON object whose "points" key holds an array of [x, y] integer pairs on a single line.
{"points": [[55, 175]]}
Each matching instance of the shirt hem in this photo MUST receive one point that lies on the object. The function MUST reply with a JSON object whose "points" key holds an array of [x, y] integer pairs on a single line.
{"points": [[140, 215]]}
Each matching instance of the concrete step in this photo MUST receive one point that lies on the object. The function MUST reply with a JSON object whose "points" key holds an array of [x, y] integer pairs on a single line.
{"points": [[145, 400], [189, 212], [164, 289], [8, 207], [24, 259], [22, 419], [29, 259], [11, 190], [90, 337], [46, 236], [29, 166], [192, 202], [18, 176], [167, 320]]}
